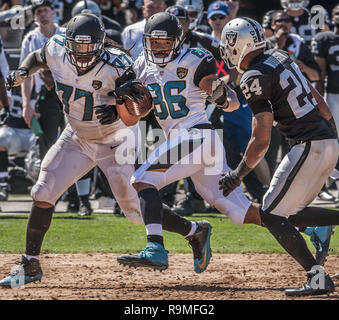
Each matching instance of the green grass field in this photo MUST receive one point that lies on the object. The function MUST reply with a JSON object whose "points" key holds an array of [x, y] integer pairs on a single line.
{"points": [[108, 233]]}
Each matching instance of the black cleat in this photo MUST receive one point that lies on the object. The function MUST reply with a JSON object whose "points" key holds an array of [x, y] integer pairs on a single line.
{"points": [[85, 207], [200, 243], [313, 286], [27, 271]]}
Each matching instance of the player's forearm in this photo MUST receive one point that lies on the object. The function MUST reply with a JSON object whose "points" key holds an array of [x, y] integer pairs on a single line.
{"points": [[32, 63], [233, 101], [255, 151], [312, 74], [260, 139], [322, 105], [320, 86], [26, 90]]}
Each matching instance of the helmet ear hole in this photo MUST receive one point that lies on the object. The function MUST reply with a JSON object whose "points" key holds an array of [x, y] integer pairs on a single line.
{"points": [[235, 52]]}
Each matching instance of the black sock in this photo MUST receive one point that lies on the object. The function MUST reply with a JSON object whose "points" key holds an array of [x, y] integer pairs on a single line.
{"points": [[38, 223], [151, 209], [3, 161], [155, 238], [172, 222], [315, 217], [289, 238], [84, 199]]}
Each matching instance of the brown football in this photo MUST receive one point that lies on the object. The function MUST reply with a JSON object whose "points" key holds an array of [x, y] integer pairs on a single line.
{"points": [[144, 105]]}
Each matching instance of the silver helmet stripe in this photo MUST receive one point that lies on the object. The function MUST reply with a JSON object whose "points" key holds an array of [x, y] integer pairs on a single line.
{"points": [[254, 27]]}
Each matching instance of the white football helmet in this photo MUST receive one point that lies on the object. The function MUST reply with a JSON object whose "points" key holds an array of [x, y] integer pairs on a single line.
{"points": [[294, 5], [239, 37], [195, 10]]}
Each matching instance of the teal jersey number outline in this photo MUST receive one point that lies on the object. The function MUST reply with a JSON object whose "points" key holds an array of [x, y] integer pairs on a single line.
{"points": [[200, 52], [59, 42], [167, 101], [66, 95]]}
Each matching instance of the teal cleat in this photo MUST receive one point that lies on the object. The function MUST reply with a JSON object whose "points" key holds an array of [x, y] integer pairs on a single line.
{"points": [[320, 238], [200, 243], [154, 256], [25, 272]]}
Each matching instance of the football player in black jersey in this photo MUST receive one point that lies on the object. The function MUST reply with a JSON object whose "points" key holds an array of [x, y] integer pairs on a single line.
{"points": [[277, 91], [301, 17], [325, 47]]}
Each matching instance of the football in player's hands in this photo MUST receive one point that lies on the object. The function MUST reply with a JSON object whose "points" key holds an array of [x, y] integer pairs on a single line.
{"points": [[136, 97]]}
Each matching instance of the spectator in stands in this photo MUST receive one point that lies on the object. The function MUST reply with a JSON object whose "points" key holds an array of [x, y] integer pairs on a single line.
{"points": [[132, 34], [293, 44]]}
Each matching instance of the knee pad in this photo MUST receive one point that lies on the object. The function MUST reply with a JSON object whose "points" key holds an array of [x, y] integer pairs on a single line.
{"points": [[229, 209], [235, 206], [42, 192]]}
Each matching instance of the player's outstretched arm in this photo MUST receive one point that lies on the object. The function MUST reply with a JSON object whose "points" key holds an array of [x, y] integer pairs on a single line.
{"points": [[219, 93], [257, 147], [31, 64]]}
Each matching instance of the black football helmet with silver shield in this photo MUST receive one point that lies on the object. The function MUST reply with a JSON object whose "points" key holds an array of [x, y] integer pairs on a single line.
{"points": [[85, 35], [162, 26]]}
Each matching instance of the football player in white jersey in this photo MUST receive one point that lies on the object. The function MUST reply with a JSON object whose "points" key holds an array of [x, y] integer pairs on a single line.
{"points": [[85, 74], [179, 80]]}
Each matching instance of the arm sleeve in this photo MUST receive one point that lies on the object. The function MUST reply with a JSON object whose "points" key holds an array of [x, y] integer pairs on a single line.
{"points": [[206, 67], [257, 91]]}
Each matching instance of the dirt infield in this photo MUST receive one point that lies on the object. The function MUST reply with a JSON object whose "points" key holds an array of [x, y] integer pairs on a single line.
{"points": [[99, 276]]}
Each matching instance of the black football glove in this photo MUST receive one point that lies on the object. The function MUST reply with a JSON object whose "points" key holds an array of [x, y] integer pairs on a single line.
{"points": [[232, 179], [16, 77], [106, 114], [4, 115], [228, 182], [127, 90]]}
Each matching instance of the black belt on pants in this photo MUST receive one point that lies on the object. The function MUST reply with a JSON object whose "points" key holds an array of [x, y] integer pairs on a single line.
{"points": [[203, 126]]}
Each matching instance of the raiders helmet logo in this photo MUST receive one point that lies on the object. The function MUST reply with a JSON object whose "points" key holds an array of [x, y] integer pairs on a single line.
{"points": [[182, 73], [231, 38], [96, 84]]}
